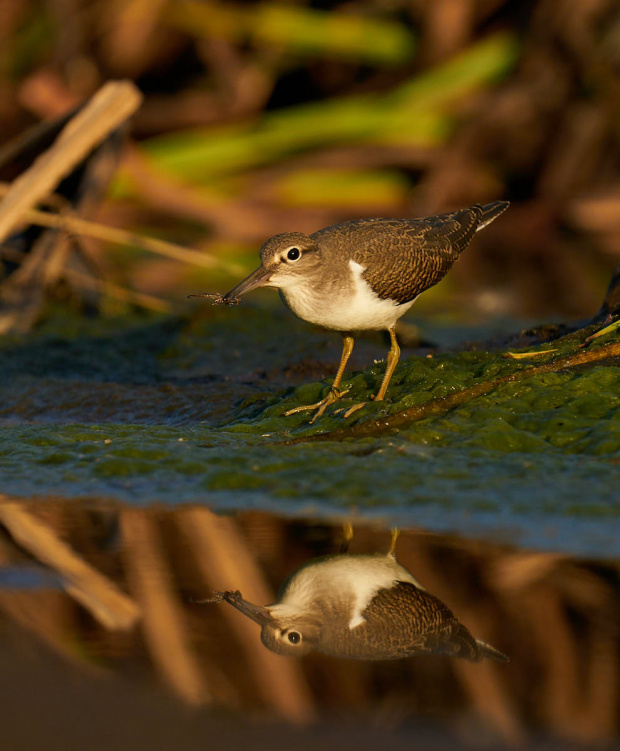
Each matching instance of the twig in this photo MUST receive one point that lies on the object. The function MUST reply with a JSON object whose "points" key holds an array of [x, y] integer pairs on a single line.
{"points": [[79, 226], [527, 355], [602, 332]]}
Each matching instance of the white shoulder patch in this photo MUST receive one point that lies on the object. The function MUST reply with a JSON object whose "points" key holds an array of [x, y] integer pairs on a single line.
{"points": [[356, 268], [356, 621], [358, 577]]}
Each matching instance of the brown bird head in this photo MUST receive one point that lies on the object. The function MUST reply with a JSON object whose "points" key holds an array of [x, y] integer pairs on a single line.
{"points": [[287, 260], [285, 633]]}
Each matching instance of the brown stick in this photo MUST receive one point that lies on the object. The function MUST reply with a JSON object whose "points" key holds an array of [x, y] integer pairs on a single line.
{"points": [[77, 226], [446, 403], [109, 108]]}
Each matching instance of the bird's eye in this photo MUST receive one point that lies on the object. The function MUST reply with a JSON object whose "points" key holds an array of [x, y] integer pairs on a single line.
{"points": [[294, 637], [293, 254]]}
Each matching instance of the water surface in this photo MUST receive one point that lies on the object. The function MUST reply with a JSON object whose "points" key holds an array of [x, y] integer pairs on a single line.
{"points": [[191, 410]]}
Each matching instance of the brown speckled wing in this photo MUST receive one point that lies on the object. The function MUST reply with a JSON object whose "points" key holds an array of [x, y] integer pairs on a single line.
{"points": [[404, 257], [405, 621]]}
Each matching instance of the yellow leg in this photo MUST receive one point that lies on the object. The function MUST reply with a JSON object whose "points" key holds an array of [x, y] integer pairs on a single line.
{"points": [[392, 360], [394, 532], [334, 393], [347, 536]]}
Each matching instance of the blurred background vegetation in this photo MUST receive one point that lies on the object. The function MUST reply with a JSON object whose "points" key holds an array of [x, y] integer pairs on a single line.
{"points": [[265, 117]]}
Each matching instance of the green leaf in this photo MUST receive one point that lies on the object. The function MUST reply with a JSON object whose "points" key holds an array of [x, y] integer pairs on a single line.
{"points": [[298, 29], [416, 113]]}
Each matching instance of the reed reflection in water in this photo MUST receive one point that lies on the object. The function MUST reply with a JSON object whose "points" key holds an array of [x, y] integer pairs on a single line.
{"points": [[111, 589]]}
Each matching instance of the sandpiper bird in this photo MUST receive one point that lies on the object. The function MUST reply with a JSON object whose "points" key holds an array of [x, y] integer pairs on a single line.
{"points": [[362, 607], [363, 275]]}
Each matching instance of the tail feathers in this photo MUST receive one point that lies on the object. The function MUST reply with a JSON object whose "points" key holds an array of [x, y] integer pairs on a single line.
{"points": [[488, 651], [490, 212]]}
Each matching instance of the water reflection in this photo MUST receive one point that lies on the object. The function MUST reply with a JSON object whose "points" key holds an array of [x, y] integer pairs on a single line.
{"points": [[126, 607], [362, 607]]}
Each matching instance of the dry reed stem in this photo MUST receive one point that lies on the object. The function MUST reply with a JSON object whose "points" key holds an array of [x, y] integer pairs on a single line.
{"points": [[100, 596], [225, 563], [106, 111], [163, 624], [77, 226]]}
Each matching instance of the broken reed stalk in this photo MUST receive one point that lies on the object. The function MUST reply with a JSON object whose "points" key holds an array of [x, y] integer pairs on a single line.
{"points": [[98, 594], [77, 226], [445, 403], [105, 112], [109, 108]]}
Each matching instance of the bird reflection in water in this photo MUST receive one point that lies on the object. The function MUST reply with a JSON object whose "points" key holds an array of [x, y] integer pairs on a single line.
{"points": [[361, 607]]}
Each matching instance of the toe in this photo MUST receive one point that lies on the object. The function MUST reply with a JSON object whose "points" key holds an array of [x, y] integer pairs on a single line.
{"points": [[353, 409]]}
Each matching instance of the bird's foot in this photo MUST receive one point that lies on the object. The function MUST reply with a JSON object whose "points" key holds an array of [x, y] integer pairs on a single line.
{"points": [[332, 396], [352, 409]]}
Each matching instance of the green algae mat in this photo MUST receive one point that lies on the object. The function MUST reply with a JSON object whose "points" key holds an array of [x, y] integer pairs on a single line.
{"points": [[180, 410]]}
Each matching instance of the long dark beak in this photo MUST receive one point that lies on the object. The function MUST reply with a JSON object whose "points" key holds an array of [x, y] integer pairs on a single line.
{"points": [[257, 613], [256, 279]]}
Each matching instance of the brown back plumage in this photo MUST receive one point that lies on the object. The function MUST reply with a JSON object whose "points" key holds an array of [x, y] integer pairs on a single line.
{"points": [[409, 621], [404, 257]]}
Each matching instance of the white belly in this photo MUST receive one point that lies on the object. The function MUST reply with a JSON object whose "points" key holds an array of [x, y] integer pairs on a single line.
{"points": [[361, 310]]}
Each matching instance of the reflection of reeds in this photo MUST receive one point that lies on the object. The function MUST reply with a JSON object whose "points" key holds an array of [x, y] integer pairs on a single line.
{"points": [[484, 684], [556, 617], [570, 614], [163, 624], [225, 562], [96, 593]]}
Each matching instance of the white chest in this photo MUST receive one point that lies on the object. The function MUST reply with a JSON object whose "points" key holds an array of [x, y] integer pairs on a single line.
{"points": [[352, 307]]}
